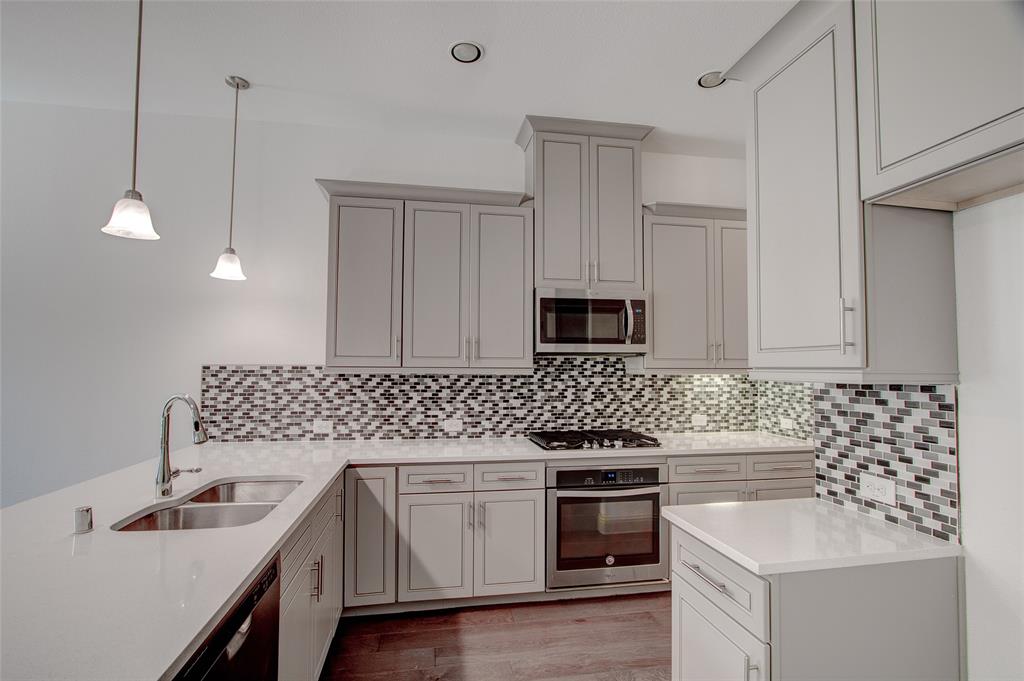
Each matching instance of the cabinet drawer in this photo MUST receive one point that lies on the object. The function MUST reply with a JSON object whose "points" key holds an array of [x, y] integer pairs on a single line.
{"points": [[707, 468], [788, 488], [525, 475], [440, 478], [768, 466], [738, 592]]}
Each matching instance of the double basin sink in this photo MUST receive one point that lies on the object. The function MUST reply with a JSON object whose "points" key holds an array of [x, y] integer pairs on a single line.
{"points": [[223, 504]]}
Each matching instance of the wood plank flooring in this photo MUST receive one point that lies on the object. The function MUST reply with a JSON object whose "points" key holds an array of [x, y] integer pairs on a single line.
{"points": [[622, 638]]}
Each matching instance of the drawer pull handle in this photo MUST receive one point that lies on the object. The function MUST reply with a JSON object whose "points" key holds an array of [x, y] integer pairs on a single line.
{"points": [[512, 478], [436, 481], [695, 569], [747, 668], [720, 469], [790, 467]]}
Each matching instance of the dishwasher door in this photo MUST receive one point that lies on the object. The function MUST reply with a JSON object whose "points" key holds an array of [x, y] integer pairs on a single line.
{"points": [[244, 645]]}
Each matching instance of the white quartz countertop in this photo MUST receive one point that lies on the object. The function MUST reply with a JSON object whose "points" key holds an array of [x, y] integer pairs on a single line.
{"points": [[135, 605], [797, 535]]}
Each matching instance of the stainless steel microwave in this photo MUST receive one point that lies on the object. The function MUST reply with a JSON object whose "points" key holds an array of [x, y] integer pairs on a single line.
{"points": [[575, 321]]}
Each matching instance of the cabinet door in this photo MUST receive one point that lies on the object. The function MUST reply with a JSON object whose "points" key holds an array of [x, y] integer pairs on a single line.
{"points": [[806, 248], [336, 574], [924, 105], [562, 210], [679, 283], [508, 546], [435, 546], [708, 645], [369, 536], [790, 488], [295, 645], [731, 293], [364, 300], [616, 238], [323, 599], [682, 493], [436, 302], [501, 286]]}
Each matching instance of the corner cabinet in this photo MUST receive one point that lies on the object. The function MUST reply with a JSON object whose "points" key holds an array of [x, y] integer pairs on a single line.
{"points": [[423, 285], [923, 107], [585, 179], [806, 260], [695, 276], [369, 536]]}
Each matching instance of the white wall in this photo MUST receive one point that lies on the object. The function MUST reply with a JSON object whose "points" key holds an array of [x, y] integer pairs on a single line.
{"points": [[694, 179], [97, 331], [989, 243]]}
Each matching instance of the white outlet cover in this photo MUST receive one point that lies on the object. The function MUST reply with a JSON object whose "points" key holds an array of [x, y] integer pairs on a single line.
{"points": [[452, 425], [785, 423], [322, 426], [878, 488], [698, 420]]}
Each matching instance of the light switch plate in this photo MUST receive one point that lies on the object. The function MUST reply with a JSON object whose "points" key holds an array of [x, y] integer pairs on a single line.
{"points": [[785, 423], [698, 420], [322, 426], [452, 425], [878, 489]]}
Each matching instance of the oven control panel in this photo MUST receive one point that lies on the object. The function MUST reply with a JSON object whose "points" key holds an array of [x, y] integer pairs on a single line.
{"points": [[607, 477]]}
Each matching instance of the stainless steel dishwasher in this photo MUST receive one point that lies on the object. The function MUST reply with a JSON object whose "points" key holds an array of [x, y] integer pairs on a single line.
{"points": [[243, 646]]}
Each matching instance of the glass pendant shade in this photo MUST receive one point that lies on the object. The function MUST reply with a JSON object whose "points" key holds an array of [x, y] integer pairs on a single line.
{"points": [[130, 219], [228, 266]]}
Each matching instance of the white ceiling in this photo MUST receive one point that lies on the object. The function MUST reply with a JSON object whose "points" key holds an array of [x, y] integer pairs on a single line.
{"points": [[385, 64]]}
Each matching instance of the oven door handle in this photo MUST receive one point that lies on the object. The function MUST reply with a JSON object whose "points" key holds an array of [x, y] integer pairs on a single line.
{"points": [[636, 492]]}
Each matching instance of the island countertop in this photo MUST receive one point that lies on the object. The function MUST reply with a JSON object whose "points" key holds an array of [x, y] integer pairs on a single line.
{"points": [[796, 535]]}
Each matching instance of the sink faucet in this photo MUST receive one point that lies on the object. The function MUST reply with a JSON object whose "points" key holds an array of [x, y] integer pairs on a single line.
{"points": [[164, 473]]}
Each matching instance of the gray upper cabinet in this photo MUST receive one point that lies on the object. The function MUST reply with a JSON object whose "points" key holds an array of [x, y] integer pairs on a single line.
{"points": [[616, 244], [562, 211], [364, 313], [805, 251], [695, 275], [436, 300], [501, 284], [939, 84], [585, 179]]}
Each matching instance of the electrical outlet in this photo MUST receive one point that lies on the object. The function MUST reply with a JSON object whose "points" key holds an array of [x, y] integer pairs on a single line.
{"points": [[698, 420], [785, 423], [452, 425], [322, 426], [878, 489]]}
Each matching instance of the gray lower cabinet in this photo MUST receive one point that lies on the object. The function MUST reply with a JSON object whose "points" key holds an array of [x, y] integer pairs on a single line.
{"points": [[462, 544], [369, 554], [586, 185], [311, 603], [741, 477], [729, 624], [695, 275], [364, 299], [922, 107]]}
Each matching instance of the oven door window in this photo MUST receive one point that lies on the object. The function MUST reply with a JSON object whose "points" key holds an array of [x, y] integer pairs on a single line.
{"points": [[607, 531], [583, 321]]}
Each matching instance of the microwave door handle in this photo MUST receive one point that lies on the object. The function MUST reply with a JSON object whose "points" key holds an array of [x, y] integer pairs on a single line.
{"points": [[629, 322]]}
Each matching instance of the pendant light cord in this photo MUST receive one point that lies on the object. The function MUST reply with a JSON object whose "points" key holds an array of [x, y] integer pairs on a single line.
{"points": [[138, 77], [234, 151]]}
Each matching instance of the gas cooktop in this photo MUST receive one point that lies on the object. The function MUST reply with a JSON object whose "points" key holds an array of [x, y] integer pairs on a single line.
{"points": [[592, 439]]}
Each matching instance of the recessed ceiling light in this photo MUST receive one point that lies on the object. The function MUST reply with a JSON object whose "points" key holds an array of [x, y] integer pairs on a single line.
{"points": [[466, 52], [711, 79]]}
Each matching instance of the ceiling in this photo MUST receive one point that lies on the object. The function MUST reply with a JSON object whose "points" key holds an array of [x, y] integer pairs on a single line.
{"points": [[386, 64]]}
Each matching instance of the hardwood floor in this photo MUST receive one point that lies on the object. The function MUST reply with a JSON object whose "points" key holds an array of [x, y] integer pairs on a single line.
{"points": [[622, 638]]}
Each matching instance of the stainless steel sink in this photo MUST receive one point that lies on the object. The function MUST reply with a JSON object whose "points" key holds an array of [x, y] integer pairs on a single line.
{"points": [[241, 491], [188, 516]]}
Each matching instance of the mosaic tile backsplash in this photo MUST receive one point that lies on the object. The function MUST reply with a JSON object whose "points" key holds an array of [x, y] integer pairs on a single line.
{"points": [[903, 432], [777, 401], [243, 403]]}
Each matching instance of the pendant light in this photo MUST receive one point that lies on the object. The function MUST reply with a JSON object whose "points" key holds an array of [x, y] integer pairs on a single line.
{"points": [[130, 218], [228, 265]]}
